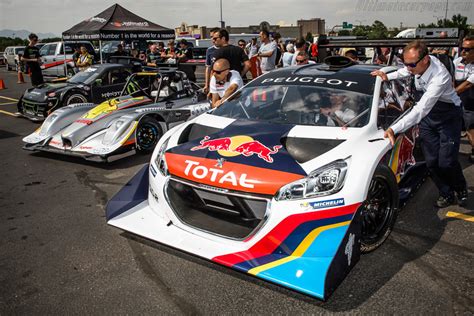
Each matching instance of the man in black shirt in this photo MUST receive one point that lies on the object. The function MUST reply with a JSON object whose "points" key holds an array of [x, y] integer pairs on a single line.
{"points": [[239, 61], [33, 59]]}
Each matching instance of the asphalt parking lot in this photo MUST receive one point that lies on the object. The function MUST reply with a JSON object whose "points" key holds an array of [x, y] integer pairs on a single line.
{"points": [[58, 255]]}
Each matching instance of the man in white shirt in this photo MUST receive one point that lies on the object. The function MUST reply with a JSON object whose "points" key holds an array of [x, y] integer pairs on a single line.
{"points": [[439, 114], [224, 82], [464, 83], [267, 52]]}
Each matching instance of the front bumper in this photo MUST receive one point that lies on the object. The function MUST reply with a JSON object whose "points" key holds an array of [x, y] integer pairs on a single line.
{"points": [[307, 252], [36, 111]]}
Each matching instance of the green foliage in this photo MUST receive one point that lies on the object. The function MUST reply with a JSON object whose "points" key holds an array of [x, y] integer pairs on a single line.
{"points": [[457, 21], [344, 33], [8, 41], [51, 39]]}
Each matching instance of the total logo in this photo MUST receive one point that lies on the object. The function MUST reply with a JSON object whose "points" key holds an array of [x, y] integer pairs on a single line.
{"points": [[238, 145], [199, 171]]}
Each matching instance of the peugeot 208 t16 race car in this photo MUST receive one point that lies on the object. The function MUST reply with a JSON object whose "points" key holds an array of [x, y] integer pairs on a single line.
{"points": [[289, 180]]}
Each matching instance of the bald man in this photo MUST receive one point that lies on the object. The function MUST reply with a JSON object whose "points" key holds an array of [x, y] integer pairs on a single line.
{"points": [[223, 82]]}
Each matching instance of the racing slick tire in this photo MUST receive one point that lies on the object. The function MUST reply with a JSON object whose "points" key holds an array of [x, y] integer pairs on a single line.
{"points": [[148, 134], [75, 97], [379, 210]]}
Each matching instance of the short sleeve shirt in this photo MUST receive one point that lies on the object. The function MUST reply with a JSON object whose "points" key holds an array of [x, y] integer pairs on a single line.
{"points": [[268, 63], [234, 54], [32, 52], [210, 55], [220, 89]]}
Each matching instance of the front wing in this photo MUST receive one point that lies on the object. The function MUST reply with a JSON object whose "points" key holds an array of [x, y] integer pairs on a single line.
{"points": [[307, 252]]}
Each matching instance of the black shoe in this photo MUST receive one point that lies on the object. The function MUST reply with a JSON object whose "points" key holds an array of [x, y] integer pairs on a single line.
{"points": [[462, 197], [443, 202]]}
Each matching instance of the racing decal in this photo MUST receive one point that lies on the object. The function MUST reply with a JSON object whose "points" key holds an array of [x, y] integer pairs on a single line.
{"points": [[349, 248], [153, 171], [228, 175], [402, 153], [109, 106], [241, 144], [285, 238], [315, 80], [54, 64], [110, 94], [323, 204], [256, 144]]}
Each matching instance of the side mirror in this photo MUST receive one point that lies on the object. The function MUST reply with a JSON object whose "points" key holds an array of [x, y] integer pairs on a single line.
{"points": [[98, 82]]}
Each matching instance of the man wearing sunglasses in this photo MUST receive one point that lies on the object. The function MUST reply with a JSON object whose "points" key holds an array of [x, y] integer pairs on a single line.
{"points": [[464, 83], [224, 81], [439, 115], [210, 58]]}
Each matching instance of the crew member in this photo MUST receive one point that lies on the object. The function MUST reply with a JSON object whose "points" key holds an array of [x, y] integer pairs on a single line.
{"points": [[85, 59], [224, 81], [464, 83], [33, 60], [153, 57], [439, 113], [267, 52], [238, 60], [210, 58]]}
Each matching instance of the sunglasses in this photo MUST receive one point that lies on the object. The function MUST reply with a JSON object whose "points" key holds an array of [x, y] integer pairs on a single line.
{"points": [[413, 65], [299, 61], [220, 71], [465, 49]]}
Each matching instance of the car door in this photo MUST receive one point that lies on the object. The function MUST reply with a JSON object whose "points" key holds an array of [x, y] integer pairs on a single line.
{"points": [[48, 55]]}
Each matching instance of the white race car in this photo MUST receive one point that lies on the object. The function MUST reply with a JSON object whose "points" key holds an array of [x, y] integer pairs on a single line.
{"points": [[289, 180]]}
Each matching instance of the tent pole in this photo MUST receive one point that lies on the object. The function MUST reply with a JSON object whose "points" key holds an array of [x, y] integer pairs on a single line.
{"points": [[64, 54], [100, 51]]}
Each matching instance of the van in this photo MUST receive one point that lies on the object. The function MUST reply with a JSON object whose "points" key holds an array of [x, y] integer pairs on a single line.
{"points": [[11, 56], [52, 57]]}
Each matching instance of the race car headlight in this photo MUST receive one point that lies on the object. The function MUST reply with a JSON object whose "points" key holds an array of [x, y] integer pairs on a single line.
{"points": [[52, 94], [47, 123], [160, 160], [326, 180], [114, 132]]}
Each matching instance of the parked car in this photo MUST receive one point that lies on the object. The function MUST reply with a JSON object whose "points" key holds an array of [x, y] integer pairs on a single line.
{"points": [[289, 180], [52, 56], [11, 56], [150, 104], [96, 84]]}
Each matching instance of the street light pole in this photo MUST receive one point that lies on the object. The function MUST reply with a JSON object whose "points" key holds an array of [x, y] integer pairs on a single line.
{"points": [[222, 21], [446, 12]]}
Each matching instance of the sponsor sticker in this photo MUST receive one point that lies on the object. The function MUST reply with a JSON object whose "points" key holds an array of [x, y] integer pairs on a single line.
{"points": [[324, 204]]}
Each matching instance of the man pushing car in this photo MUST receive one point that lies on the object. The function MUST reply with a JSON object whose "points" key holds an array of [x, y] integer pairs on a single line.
{"points": [[439, 114]]}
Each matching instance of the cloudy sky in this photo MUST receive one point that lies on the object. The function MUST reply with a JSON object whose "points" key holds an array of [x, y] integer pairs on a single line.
{"points": [[56, 16]]}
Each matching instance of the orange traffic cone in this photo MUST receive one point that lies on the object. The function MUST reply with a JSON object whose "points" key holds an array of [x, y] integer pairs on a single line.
{"points": [[2, 84], [20, 78]]}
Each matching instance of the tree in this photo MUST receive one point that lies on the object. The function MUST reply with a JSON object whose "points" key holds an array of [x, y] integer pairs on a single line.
{"points": [[378, 31], [344, 33]]}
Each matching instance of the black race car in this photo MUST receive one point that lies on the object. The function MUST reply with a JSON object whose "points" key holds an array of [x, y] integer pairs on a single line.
{"points": [[95, 85]]}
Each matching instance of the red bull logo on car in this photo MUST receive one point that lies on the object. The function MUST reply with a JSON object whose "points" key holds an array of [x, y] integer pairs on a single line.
{"points": [[238, 145]]}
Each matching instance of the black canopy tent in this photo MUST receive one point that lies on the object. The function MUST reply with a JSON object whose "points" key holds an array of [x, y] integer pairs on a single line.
{"points": [[114, 24]]}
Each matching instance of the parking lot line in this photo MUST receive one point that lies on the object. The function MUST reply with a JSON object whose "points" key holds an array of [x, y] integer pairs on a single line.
{"points": [[7, 103], [7, 113], [460, 216], [7, 98]]}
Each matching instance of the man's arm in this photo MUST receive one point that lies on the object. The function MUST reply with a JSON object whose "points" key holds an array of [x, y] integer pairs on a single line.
{"points": [[466, 85], [270, 52], [215, 100], [247, 66]]}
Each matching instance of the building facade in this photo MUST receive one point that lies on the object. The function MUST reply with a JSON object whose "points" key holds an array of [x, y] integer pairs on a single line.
{"points": [[315, 26]]}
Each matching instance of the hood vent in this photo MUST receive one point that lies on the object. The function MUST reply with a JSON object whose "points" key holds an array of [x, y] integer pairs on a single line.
{"points": [[196, 131], [305, 149]]}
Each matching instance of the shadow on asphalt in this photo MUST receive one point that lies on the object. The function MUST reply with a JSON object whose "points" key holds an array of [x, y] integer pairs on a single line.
{"points": [[126, 162]]}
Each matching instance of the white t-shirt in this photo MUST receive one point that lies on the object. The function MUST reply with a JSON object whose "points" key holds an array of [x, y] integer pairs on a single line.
{"points": [[268, 63], [220, 89], [463, 72], [287, 58]]}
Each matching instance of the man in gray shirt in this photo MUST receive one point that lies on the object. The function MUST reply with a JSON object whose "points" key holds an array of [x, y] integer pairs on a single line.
{"points": [[267, 52]]}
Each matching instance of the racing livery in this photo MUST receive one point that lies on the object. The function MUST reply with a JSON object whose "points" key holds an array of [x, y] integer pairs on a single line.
{"points": [[96, 84], [157, 101], [289, 180]]}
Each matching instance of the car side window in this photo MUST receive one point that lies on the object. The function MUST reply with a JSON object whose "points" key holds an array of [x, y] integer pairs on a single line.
{"points": [[395, 98], [118, 76]]}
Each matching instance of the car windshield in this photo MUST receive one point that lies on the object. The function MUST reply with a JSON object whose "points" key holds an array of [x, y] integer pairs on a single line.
{"points": [[19, 50], [87, 76], [300, 105]]}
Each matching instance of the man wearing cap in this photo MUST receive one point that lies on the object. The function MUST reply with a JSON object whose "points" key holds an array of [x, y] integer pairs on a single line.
{"points": [[439, 115]]}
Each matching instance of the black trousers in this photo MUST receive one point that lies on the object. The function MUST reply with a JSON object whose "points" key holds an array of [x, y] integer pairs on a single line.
{"points": [[440, 133], [36, 77]]}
